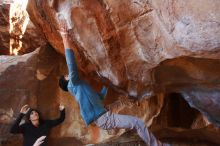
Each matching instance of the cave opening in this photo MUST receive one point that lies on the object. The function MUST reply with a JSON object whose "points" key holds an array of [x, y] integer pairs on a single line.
{"points": [[180, 114], [16, 20], [180, 124], [175, 113]]}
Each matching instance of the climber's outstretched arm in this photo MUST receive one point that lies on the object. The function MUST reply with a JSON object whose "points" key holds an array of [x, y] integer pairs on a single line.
{"points": [[70, 57]]}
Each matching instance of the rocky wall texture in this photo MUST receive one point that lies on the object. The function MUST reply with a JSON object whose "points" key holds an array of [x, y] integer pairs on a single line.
{"points": [[149, 50], [33, 79], [4, 29], [31, 39], [143, 47]]}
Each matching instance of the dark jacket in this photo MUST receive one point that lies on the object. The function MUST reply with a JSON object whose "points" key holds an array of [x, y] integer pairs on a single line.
{"points": [[32, 133]]}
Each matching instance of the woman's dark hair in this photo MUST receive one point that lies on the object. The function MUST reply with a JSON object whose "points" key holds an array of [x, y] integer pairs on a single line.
{"points": [[63, 83], [29, 114]]}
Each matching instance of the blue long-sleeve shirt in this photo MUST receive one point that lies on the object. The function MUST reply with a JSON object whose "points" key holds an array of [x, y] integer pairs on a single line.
{"points": [[90, 102]]}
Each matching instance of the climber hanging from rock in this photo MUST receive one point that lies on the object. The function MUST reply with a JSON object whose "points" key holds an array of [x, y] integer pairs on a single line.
{"points": [[90, 102]]}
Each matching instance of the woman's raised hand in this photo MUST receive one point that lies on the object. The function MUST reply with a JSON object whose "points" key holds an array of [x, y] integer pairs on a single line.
{"points": [[25, 109], [39, 141], [61, 107]]}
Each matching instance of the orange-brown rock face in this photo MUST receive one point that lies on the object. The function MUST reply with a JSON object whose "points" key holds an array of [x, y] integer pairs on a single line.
{"points": [[31, 39], [128, 42], [33, 79], [140, 49], [4, 35]]}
